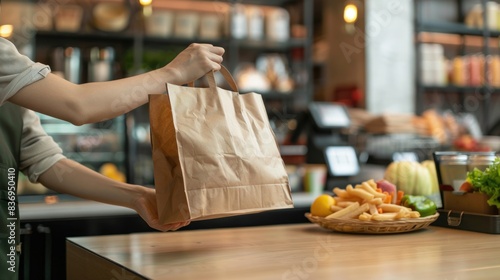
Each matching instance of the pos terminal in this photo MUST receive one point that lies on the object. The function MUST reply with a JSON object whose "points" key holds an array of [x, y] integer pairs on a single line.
{"points": [[322, 123]]}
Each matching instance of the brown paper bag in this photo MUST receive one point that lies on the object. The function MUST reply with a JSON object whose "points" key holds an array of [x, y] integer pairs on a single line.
{"points": [[214, 153]]}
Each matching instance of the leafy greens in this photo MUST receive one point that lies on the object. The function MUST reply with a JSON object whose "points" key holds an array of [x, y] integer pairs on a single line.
{"points": [[487, 182]]}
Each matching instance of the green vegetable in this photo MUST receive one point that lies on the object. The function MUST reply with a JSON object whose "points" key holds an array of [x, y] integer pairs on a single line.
{"points": [[487, 182], [422, 204]]}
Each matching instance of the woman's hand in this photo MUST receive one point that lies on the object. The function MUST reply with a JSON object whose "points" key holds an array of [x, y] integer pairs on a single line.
{"points": [[70, 177], [194, 62], [145, 206]]}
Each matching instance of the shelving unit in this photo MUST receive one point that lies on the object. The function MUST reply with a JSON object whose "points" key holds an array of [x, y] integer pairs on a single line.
{"points": [[483, 92], [134, 38], [133, 45], [234, 47], [455, 28]]}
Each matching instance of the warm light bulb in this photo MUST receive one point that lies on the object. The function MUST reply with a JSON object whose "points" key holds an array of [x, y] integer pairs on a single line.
{"points": [[145, 2], [350, 13], [6, 30]]}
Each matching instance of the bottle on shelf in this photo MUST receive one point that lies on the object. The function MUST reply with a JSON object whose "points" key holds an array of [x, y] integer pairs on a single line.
{"points": [[433, 71], [101, 64]]}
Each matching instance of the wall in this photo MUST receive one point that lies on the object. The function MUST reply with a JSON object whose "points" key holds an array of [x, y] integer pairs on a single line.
{"points": [[390, 56], [345, 65], [378, 57]]}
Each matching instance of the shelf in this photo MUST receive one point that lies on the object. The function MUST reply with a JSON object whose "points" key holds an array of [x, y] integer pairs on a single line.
{"points": [[87, 35], [129, 36], [123, 36], [97, 157], [271, 45], [454, 28], [452, 88], [239, 43], [268, 95], [464, 89], [183, 41], [277, 95], [455, 40], [264, 2]]}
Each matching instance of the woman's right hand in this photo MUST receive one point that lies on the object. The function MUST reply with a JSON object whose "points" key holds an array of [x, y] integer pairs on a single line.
{"points": [[145, 205], [194, 62]]}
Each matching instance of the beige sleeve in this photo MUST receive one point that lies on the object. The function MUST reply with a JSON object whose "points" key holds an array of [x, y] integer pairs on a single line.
{"points": [[38, 150], [17, 70]]}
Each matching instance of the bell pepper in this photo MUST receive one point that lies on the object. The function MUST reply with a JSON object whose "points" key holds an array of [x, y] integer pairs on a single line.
{"points": [[419, 203]]}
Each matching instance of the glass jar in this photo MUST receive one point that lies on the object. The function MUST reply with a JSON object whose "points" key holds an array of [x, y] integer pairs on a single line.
{"points": [[453, 170], [480, 161]]}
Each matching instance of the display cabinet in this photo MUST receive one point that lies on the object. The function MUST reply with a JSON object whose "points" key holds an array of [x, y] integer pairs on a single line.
{"points": [[458, 63], [268, 41], [100, 146]]}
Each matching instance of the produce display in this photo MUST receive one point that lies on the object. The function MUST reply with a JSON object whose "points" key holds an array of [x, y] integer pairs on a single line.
{"points": [[467, 143], [372, 200], [487, 182], [415, 178], [420, 203]]}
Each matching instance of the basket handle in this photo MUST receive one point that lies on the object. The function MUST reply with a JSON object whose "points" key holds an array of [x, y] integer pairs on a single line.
{"points": [[211, 79]]}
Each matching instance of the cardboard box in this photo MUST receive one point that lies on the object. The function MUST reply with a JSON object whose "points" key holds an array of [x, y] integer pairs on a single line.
{"points": [[468, 202]]}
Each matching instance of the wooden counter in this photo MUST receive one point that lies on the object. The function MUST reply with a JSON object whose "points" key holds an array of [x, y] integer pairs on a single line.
{"points": [[300, 251], [72, 208]]}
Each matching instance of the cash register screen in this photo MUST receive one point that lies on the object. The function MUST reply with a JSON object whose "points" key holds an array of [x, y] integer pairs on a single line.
{"points": [[329, 115], [342, 161]]}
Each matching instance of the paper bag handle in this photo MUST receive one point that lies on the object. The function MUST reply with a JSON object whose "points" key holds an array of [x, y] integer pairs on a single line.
{"points": [[225, 73]]}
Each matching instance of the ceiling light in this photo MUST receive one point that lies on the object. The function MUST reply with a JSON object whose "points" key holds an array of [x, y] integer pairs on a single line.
{"points": [[350, 13], [6, 30], [145, 2]]}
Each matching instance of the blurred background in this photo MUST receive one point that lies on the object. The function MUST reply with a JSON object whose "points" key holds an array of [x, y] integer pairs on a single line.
{"points": [[350, 86]]}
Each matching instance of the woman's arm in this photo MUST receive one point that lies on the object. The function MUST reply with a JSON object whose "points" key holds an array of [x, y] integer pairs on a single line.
{"points": [[70, 177], [93, 102]]}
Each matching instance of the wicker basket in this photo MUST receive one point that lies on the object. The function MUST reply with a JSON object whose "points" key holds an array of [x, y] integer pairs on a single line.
{"points": [[372, 227]]}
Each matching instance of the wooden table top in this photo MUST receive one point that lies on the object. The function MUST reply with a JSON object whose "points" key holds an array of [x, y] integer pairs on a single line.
{"points": [[301, 251]]}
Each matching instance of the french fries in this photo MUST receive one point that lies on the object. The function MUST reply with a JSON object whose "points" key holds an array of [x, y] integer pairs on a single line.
{"points": [[355, 214], [393, 207], [365, 186], [365, 202], [341, 213], [373, 209], [359, 192], [341, 193]]}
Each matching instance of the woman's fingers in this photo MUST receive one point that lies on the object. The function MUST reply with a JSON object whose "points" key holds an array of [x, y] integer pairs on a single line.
{"points": [[194, 62]]}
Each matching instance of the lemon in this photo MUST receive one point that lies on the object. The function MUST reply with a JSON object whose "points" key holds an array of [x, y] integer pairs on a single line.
{"points": [[321, 205]]}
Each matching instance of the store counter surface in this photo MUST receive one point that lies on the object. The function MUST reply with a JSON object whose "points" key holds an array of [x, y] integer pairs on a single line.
{"points": [[36, 207], [299, 251], [76, 208]]}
